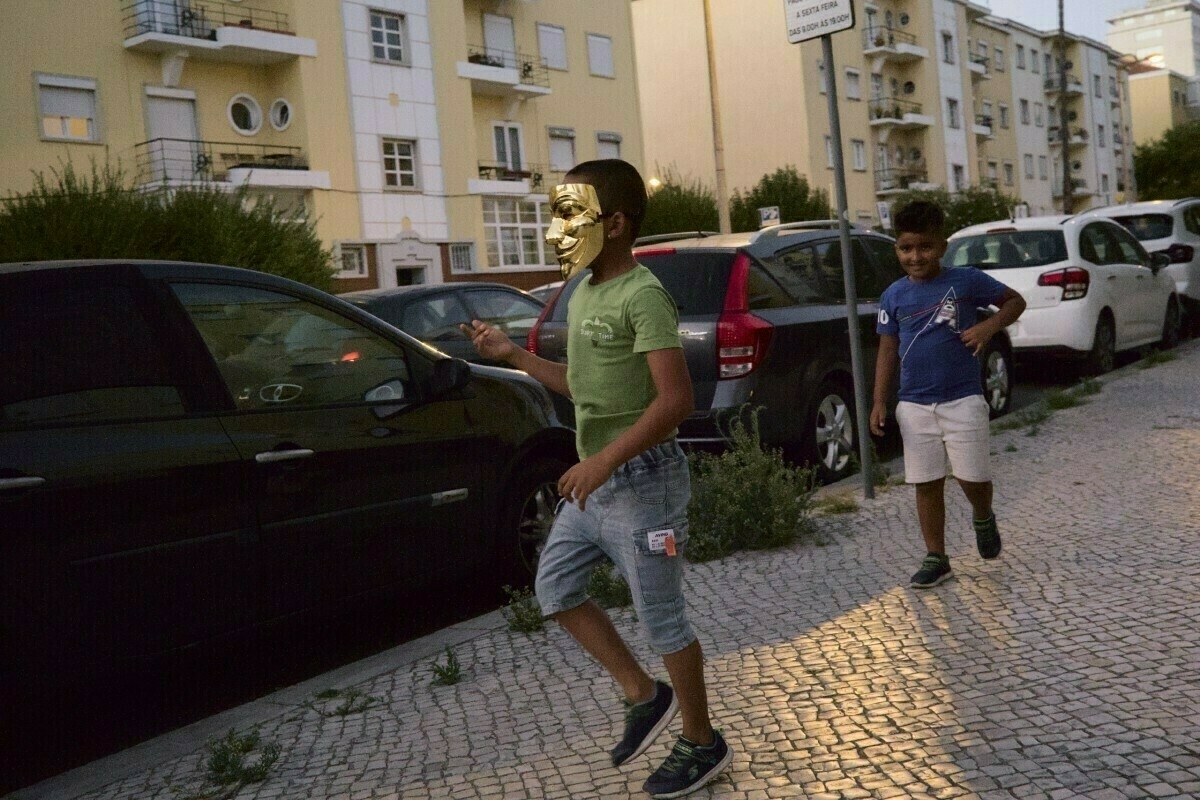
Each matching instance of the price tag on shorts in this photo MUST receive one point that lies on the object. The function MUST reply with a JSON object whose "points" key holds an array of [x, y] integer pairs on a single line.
{"points": [[662, 541]]}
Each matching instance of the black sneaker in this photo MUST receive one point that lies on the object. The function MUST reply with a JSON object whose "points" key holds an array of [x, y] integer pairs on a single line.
{"points": [[644, 722], [987, 537], [934, 569], [688, 767]]}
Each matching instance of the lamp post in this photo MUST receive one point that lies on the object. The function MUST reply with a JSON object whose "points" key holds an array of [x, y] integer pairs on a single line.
{"points": [[718, 142]]}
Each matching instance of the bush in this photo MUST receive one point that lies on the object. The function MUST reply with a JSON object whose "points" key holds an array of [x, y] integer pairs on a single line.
{"points": [[746, 498], [608, 588], [786, 188], [971, 206], [680, 204], [70, 216], [523, 614]]}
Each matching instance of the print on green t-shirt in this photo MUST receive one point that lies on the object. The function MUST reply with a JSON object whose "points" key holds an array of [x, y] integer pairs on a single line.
{"points": [[610, 328]]}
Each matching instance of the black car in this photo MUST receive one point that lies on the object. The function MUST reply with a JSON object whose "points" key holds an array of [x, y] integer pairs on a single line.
{"points": [[433, 312], [762, 316], [190, 454]]}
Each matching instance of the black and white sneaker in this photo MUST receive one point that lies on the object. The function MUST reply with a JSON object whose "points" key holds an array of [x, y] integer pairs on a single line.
{"points": [[688, 768], [934, 569], [987, 537], [644, 722]]}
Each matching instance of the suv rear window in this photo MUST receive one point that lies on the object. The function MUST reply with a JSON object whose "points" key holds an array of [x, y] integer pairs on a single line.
{"points": [[1147, 226], [1007, 250], [697, 281]]}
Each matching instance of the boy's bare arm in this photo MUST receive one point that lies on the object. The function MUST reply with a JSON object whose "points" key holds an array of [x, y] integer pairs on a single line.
{"points": [[886, 363], [671, 406], [1011, 306], [494, 344]]}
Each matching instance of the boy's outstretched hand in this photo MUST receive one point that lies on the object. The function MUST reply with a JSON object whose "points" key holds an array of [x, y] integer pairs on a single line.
{"points": [[490, 342]]}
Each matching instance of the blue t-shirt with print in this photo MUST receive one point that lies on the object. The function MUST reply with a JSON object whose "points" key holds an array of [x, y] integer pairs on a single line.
{"points": [[935, 365]]}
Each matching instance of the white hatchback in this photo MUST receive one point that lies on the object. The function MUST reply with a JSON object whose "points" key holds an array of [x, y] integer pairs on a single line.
{"points": [[1091, 289]]}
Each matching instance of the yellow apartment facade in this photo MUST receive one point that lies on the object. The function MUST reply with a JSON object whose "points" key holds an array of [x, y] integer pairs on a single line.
{"points": [[180, 93], [930, 93], [1158, 100]]}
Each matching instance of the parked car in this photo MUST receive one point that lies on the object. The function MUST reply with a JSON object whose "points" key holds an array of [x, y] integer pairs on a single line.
{"points": [[1171, 227], [193, 453], [1091, 289], [545, 291], [432, 312], [763, 320]]}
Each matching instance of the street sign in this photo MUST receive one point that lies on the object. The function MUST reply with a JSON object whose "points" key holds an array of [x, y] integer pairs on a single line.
{"points": [[768, 216], [885, 214], [811, 19]]}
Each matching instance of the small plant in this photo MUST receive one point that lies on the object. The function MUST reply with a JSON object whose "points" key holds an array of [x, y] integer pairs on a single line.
{"points": [[449, 673], [1010, 448], [522, 613], [836, 504], [1087, 386], [1057, 400], [1029, 417], [608, 588], [1154, 358], [353, 701], [229, 765]]}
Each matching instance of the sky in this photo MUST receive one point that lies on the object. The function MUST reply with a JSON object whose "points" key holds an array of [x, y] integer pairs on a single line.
{"points": [[1086, 17]]}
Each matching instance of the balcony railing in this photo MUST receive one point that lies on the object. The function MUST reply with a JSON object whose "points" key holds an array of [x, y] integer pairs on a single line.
{"points": [[198, 20], [1053, 84], [981, 60], [531, 71], [536, 174], [194, 160], [983, 119], [894, 108], [878, 36], [897, 179]]}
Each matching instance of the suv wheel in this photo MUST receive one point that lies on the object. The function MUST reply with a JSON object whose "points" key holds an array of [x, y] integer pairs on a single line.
{"points": [[533, 497], [1100, 359], [831, 432], [996, 368]]}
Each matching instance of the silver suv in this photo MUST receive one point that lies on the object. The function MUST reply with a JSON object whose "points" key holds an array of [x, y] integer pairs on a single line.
{"points": [[1171, 227]]}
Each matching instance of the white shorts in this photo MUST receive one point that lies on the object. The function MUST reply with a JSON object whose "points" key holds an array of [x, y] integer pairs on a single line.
{"points": [[958, 429]]}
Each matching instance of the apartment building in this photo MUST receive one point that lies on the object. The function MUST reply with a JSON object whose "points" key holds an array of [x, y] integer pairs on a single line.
{"points": [[930, 93], [1157, 101], [1163, 33], [179, 93]]}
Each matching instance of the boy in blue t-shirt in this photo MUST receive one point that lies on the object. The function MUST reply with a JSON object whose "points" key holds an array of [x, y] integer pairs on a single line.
{"points": [[927, 325]]}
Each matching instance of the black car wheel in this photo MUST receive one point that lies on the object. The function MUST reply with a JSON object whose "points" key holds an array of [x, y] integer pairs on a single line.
{"points": [[831, 433], [996, 368], [1101, 358], [533, 497], [1171, 326]]}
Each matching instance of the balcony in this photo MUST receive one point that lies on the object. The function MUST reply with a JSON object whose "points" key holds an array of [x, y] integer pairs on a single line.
{"points": [[889, 44], [503, 74], [188, 162], [1053, 84], [983, 126], [503, 179], [978, 65], [1078, 186], [898, 179], [898, 114], [1078, 137], [212, 31], [1118, 141]]}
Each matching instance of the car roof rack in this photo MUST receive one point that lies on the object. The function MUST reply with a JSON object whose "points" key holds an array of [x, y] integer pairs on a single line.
{"points": [[659, 238], [807, 225], [1184, 200]]}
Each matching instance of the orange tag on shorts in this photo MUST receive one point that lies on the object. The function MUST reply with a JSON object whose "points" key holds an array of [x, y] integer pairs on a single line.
{"points": [[669, 543], [661, 541]]}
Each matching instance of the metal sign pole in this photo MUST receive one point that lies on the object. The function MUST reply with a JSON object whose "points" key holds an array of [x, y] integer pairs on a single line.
{"points": [[852, 320]]}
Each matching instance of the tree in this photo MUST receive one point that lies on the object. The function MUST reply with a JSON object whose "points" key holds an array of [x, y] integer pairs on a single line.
{"points": [[1169, 167], [971, 206], [69, 216], [786, 188], [680, 204]]}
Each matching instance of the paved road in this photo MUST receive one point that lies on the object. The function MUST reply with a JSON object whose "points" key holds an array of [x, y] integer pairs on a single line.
{"points": [[1069, 668]]}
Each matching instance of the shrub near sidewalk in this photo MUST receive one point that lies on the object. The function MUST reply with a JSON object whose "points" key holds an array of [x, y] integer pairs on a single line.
{"points": [[746, 498]]}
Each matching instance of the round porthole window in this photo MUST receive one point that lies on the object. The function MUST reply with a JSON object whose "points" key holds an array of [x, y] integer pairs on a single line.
{"points": [[281, 114], [245, 115], [903, 18]]}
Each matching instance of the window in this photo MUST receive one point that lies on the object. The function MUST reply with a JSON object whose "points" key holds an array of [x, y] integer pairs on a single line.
{"points": [[1043, 169], [829, 151], [858, 153], [993, 174], [399, 164], [952, 112], [515, 232], [876, 86], [1035, 63], [462, 257], [1020, 56], [244, 114], [433, 318], [353, 261], [1003, 115], [600, 57], [1100, 135], [562, 149], [67, 108], [608, 144], [947, 47], [1112, 86], [853, 90], [388, 38], [987, 111], [999, 62], [1008, 173], [1024, 106], [1104, 183], [1037, 114], [508, 145], [1097, 87], [1029, 166], [511, 312], [1096, 246], [552, 44], [960, 177], [281, 114], [1049, 64]]}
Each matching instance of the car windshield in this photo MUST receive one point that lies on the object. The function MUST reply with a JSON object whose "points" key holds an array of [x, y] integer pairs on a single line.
{"points": [[1008, 249], [1147, 226]]}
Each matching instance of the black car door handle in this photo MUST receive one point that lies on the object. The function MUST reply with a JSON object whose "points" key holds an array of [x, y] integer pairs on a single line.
{"points": [[273, 456], [20, 483]]}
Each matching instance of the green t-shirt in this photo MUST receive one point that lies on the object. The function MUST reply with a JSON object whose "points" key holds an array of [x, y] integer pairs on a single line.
{"points": [[610, 328]]}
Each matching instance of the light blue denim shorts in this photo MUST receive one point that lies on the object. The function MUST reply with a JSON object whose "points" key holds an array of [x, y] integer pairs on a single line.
{"points": [[624, 521]]}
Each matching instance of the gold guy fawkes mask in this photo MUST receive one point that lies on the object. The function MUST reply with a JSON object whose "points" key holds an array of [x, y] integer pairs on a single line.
{"points": [[575, 231]]}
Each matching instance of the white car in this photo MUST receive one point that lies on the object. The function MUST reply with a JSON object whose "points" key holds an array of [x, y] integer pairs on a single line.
{"points": [[1091, 290], [1171, 227]]}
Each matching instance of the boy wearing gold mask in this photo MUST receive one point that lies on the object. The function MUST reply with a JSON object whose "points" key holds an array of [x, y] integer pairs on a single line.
{"points": [[627, 498]]}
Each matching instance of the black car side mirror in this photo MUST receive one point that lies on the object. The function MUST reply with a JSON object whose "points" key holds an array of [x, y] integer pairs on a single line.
{"points": [[449, 374], [1159, 260]]}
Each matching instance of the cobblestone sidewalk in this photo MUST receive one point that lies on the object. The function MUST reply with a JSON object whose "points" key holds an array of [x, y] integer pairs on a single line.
{"points": [[1069, 668]]}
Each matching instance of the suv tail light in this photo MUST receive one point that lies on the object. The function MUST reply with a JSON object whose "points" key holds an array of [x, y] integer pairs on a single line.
{"points": [[1180, 253], [1073, 281], [742, 338]]}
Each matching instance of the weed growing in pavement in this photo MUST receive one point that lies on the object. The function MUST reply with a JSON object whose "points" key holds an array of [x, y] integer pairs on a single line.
{"points": [[1030, 417], [230, 765], [1058, 399], [352, 701], [881, 474], [449, 673], [608, 588], [1010, 448], [1154, 358], [1087, 386], [746, 498], [523, 613], [836, 504]]}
